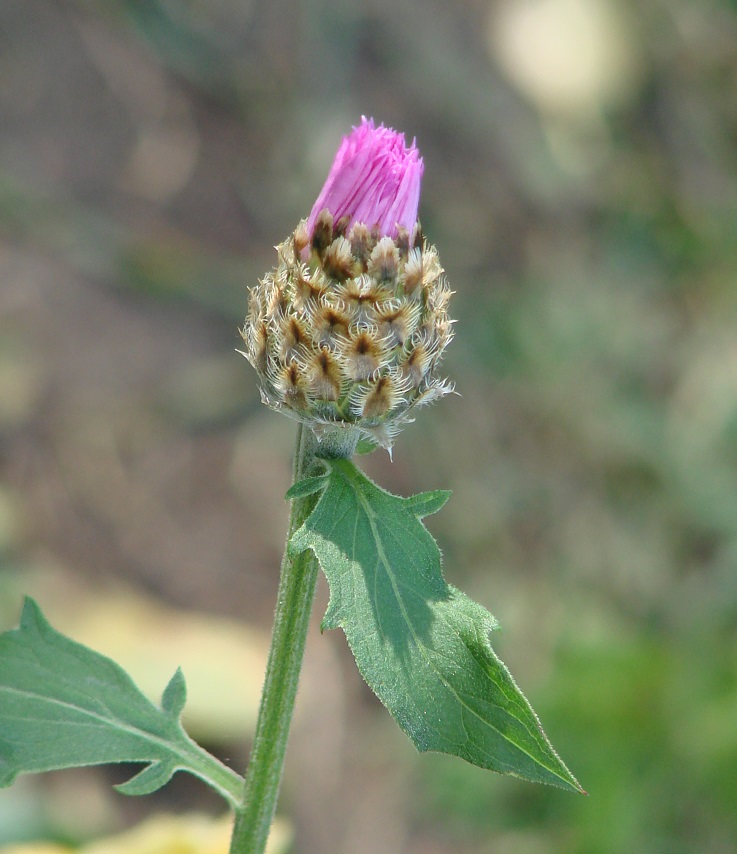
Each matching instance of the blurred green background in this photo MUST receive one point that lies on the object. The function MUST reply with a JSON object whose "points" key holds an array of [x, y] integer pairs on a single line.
{"points": [[581, 186]]}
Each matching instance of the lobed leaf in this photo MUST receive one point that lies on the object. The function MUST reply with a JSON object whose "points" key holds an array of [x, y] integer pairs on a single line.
{"points": [[63, 705], [421, 645]]}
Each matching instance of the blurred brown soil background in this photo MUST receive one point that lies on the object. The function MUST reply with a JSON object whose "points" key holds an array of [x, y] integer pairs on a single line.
{"points": [[581, 186]]}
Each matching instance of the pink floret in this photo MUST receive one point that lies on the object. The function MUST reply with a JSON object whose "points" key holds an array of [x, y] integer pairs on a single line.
{"points": [[375, 179]]}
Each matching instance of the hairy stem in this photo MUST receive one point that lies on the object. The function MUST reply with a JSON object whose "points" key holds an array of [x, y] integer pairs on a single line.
{"points": [[292, 618]]}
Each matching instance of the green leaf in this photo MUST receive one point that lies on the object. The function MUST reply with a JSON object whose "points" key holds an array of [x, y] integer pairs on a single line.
{"points": [[63, 705], [426, 503], [151, 779], [421, 645], [308, 486], [175, 695]]}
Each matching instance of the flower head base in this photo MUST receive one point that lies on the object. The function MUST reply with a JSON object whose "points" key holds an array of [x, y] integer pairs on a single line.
{"points": [[348, 330]]}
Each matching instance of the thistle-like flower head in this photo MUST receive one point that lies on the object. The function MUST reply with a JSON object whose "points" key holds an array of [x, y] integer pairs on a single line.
{"points": [[348, 330]]}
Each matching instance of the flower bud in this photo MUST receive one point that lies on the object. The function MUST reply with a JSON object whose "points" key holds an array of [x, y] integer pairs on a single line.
{"points": [[348, 330]]}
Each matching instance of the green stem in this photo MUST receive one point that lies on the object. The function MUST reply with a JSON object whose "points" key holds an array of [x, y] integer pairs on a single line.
{"points": [[292, 619]]}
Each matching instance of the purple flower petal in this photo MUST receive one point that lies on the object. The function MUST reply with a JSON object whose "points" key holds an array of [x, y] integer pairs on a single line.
{"points": [[375, 179]]}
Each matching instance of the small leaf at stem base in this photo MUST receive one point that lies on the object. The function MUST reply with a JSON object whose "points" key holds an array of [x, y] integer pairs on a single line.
{"points": [[307, 486]]}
